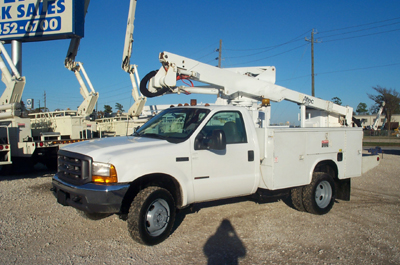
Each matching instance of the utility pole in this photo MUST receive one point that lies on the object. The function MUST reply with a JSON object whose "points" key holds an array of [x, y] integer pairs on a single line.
{"points": [[219, 54], [45, 100], [312, 60]]}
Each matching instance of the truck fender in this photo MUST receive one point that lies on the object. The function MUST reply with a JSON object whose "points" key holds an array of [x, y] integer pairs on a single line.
{"points": [[343, 186], [328, 166], [156, 179]]}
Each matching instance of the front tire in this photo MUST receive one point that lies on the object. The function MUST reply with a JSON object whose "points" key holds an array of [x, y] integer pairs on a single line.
{"points": [[319, 196], [151, 216]]}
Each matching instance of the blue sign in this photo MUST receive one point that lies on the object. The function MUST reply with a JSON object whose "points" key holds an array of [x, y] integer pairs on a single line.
{"points": [[37, 20]]}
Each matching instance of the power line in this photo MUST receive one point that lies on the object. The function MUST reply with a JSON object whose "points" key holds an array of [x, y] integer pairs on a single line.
{"points": [[268, 48], [208, 54], [302, 56], [340, 71], [365, 35], [356, 69], [371, 23], [210, 48], [297, 47], [361, 30]]}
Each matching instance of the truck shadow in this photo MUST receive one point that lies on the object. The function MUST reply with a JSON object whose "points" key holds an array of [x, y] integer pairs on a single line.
{"points": [[195, 208], [25, 172]]}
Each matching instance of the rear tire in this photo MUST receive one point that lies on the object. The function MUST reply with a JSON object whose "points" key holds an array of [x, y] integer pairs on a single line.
{"points": [[297, 199], [151, 216], [319, 196]]}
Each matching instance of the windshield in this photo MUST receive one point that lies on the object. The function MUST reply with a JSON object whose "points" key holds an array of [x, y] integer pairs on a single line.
{"points": [[175, 124]]}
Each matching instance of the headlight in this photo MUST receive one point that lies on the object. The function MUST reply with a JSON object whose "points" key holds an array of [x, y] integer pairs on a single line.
{"points": [[104, 173]]}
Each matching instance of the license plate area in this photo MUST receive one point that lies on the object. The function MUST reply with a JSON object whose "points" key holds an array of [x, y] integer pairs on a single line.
{"points": [[62, 197]]}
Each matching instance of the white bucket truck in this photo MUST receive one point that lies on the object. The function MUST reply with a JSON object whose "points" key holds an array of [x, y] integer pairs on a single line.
{"points": [[193, 154]]}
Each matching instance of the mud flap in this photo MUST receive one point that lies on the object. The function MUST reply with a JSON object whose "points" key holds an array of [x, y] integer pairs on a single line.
{"points": [[343, 188]]}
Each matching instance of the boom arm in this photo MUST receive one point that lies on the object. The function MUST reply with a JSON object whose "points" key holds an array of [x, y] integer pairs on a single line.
{"points": [[238, 86], [15, 84], [89, 98], [378, 115], [136, 109]]}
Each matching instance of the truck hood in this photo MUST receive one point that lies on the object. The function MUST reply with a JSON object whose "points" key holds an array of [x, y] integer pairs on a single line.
{"points": [[108, 149]]}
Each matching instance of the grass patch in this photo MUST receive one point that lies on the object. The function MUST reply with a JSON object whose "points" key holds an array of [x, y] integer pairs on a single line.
{"points": [[380, 144]]}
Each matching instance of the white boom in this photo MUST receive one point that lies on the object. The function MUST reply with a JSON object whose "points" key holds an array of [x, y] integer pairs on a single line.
{"points": [[89, 98], [378, 115], [136, 109], [15, 84], [240, 86]]}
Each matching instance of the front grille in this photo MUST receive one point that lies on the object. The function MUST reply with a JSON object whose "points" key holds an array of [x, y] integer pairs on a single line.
{"points": [[74, 168]]}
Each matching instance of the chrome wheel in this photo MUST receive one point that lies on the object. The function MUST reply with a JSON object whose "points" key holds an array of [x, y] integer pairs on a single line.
{"points": [[323, 194], [157, 217]]}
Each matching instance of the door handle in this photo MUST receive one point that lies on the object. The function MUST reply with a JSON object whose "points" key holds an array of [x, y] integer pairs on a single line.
{"points": [[250, 155]]}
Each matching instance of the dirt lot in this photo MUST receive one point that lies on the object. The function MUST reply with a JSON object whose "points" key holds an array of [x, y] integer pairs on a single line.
{"points": [[34, 229]]}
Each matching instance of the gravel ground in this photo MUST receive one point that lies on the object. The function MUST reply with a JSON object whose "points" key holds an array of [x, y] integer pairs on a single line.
{"points": [[34, 229]]}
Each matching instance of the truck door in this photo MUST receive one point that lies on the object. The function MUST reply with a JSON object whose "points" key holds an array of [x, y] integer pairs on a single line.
{"points": [[223, 173]]}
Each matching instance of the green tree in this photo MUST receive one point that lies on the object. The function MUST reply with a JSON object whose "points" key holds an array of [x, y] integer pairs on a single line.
{"points": [[107, 109], [362, 109], [337, 100], [375, 108], [392, 101], [119, 107]]}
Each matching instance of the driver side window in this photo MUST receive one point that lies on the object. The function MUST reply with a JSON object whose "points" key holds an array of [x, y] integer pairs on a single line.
{"points": [[231, 122]]}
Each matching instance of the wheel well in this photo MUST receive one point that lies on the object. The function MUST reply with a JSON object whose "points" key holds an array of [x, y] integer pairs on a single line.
{"points": [[343, 186], [160, 180], [329, 167]]}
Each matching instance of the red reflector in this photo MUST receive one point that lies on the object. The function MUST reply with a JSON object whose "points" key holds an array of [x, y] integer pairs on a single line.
{"points": [[41, 144], [7, 146], [377, 158], [1, 147]]}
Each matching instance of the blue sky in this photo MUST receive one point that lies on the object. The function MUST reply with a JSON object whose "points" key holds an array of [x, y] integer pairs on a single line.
{"points": [[359, 48]]}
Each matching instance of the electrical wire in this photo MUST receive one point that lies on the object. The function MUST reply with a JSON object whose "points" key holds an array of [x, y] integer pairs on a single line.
{"points": [[340, 71], [371, 23], [265, 49], [356, 69], [261, 59], [360, 30], [302, 56], [365, 35], [300, 37]]}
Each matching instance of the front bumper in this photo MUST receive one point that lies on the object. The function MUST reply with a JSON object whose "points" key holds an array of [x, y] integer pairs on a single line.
{"points": [[90, 197]]}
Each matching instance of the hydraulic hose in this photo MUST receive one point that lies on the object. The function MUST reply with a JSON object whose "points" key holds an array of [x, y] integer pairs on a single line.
{"points": [[145, 91]]}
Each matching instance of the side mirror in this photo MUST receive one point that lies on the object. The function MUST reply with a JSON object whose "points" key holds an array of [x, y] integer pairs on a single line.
{"points": [[218, 140]]}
